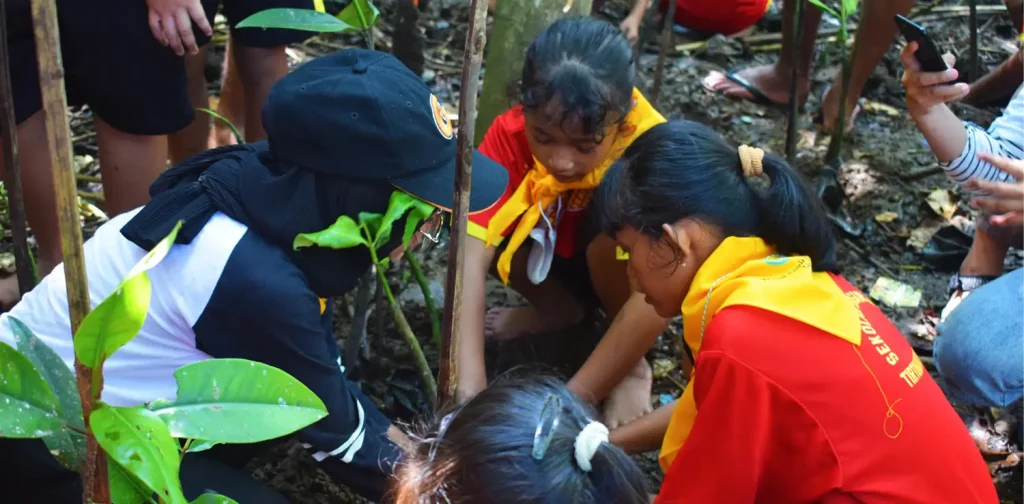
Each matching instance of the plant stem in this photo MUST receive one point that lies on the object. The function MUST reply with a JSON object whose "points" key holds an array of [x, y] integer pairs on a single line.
{"points": [[796, 35], [974, 71], [234, 130], [428, 298], [429, 385], [666, 45], [367, 30], [839, 126]]}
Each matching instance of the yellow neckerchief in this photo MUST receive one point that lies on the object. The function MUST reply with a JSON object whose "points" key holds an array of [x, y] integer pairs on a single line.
{"points": [[539, 189], [746, 271]]}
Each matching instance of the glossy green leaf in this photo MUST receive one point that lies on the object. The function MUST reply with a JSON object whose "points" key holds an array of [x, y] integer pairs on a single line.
{"points": [[114, 322], [211, 498], [824, 7], [399, 204], [849, 7], [138, 440], [238, 401], [199, 445], [420, 212], [28, 407], [157, 254], [65, 444], [372, 224], [344, 233], [296, 19], [124, 488], [361, 14]]}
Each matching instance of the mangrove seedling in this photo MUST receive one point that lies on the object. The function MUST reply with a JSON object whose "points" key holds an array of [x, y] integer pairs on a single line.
{"points": [[39, 399], [358, 16], [846, 9], [373, 231]]}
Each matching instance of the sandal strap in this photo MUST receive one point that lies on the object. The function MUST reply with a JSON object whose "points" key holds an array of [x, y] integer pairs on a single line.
{"points": [[967, 283]]}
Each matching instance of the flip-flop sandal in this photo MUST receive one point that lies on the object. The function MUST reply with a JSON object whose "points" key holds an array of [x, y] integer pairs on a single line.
{"points": [[758, 97]]}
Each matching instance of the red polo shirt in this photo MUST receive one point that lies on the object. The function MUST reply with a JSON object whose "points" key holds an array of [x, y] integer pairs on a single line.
{"points": [[787, 413]]}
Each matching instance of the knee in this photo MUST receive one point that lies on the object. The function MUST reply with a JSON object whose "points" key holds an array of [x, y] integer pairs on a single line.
{"points": [[260, 62]]}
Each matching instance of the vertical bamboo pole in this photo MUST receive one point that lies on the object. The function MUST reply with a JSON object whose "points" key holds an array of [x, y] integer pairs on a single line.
{"points": [[475, 39], [666, 46], [15, 201], [974, 70], [796, 35], [55, 117]]}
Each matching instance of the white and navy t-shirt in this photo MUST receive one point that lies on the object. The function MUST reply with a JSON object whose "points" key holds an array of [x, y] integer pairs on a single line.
{"points": [[1004, 137], [228, 294]]}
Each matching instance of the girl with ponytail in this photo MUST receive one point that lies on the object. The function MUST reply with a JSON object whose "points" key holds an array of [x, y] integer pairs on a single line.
{"points": [[522, 441], [802, 390]]}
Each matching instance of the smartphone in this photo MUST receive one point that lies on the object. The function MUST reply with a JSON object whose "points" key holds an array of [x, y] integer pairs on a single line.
{"points": [[927, 54]]}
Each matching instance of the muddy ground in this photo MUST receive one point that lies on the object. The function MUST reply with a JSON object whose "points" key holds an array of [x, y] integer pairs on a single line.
{"points": [[888, 175]]}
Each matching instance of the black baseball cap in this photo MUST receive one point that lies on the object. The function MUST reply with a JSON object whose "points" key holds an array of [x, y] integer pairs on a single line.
{"points": [[363, 115]]}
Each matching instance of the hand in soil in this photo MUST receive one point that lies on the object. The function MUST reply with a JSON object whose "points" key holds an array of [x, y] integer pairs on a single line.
{"points": [[511, 323], [766, 78], [9, 292], [631, 398], [830, 109]]}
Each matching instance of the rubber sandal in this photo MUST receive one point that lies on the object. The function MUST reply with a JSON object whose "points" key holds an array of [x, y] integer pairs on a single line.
{"points": [[758, 96]]}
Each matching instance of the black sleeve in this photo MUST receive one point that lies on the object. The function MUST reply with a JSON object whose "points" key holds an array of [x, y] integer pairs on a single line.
{"points": [[262, 309]]}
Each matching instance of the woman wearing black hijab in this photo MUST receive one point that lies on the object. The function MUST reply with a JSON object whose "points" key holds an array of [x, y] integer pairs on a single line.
{"points": [[344, 132]]}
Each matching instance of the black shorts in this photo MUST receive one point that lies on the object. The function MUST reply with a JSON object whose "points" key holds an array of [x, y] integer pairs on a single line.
{"points": [[113, 64]]}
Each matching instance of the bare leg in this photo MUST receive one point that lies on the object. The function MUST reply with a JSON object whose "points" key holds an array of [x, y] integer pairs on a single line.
{"points": [[231, 104], [870, 47], [259, 69], [631, 397], [193, 139], [773, 80], [552, 305], [128, 164], [40, 203]]}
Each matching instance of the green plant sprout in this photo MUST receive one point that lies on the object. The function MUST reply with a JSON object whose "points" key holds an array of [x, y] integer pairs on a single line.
{"points": [[225, 120], [373, 231], [39, 399], [358, 16], [428, 297], [846, 9]]}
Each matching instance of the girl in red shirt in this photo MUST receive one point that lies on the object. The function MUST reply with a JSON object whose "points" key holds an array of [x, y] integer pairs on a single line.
{"points": [[802, 390], [579, 111]]}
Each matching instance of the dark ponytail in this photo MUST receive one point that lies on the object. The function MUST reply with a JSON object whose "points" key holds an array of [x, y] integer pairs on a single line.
{"points": [[683, 169], [484, 453]]}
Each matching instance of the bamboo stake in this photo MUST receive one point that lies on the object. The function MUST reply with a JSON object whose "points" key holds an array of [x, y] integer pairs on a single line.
{"points": [[796, 35], [974, 70], [15, 200], [472, 58], [666, 45], [55, 118]]}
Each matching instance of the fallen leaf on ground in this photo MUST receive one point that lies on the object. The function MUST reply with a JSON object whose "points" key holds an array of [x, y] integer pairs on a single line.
{"points": [[82, 163], [941, 202], [873, 107], [1011, 460], [920, 237], [662, 367], [887, 217], [894, 293], [989, 442], [7, 262]]}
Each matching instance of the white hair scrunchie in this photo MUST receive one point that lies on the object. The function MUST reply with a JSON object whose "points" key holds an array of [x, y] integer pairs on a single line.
{"points": [[588, 441]]}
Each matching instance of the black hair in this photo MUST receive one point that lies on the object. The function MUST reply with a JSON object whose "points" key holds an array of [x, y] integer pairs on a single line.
{"points": [[485, 453], [682, 169], [587, 66]]}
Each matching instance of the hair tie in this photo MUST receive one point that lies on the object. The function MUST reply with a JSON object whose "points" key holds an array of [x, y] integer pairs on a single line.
{"points": [[588, 441], [750, 160]]}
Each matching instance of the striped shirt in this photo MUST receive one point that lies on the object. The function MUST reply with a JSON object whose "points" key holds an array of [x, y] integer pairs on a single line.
{"points": [[1005, 137]]}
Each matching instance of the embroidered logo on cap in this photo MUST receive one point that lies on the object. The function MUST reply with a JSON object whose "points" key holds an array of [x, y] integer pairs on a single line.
{"points": [[441, 120]]}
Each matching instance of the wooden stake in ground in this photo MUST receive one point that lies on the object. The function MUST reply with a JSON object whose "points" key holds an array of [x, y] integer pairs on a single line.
{"points": [[516, 24], [15, 201], [55, 116], [974, 70], [473, 57], [796, 34], [666, 46]]}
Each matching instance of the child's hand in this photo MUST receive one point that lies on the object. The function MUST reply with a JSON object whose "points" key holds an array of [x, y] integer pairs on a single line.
{"points": [[928, 89], [631, 27], [1004, 199], [171, 23]]}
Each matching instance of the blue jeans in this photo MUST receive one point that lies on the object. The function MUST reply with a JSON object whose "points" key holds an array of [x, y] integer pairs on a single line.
{"points": [[980, 347]]}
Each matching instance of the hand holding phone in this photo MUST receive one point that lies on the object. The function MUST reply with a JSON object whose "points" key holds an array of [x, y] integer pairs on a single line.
{"points": [[927, 54]]}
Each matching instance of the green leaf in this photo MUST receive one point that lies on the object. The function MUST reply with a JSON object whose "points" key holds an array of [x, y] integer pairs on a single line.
{"points": [[199, 445], [421, 211], [113, 323], [296, 19], [124, 488], [824, 7], [360, 14], [28, 408], [238, 401], [344, 233], [372, 222], [120, 316], [400, 203], [65, 444], [138, 440], [848, 7], [211, 498]]}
